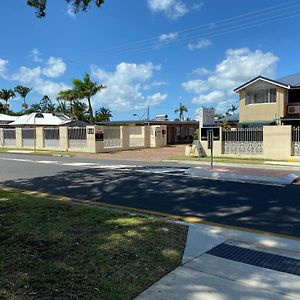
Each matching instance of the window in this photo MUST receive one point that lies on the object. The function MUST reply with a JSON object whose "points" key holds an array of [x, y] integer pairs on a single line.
{"points": [[261, 96]]}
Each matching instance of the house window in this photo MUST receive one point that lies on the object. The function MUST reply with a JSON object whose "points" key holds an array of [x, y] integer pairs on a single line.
{"points": [[261, 96]]}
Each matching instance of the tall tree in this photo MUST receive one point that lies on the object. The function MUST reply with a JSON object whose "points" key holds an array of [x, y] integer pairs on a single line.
{"points": [[78, 5], [181, 110], [44, 106], [68, 96], [103, 114], [6, 95], [232, 109], [23, 92], [86, 89], [62, 107], [80, 111]]}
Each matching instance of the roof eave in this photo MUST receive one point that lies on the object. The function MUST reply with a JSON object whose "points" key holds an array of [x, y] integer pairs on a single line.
{"points": [[236, 90]]}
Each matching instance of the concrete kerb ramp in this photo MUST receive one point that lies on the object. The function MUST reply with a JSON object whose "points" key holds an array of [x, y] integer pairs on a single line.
{"points": [[228, 175]]}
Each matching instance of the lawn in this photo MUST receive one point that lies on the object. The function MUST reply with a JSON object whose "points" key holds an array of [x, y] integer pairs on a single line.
{"points": [[238, 160], [55, 250]]}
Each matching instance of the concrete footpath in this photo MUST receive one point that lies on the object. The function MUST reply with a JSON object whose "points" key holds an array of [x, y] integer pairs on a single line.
{"points": [[210, 276], [245, 174]]}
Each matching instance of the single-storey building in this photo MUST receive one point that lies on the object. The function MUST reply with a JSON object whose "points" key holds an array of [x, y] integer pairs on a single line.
{"points": [[178, 132], [45, 119], [6, 119]]}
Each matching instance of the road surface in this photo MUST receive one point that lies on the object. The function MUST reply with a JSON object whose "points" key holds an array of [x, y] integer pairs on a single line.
{"points": [[157, 187]]}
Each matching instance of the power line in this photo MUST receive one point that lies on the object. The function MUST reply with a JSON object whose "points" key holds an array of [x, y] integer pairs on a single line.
{"points": [[217, 33], [263, 16]]}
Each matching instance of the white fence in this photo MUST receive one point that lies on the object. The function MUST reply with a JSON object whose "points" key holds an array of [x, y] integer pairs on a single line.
{"points": [[51, 138], [243, 141], [28, 136], [136, 136], [8, 138], [296, 141], [77, 137], [112, 137], [83, 139]]}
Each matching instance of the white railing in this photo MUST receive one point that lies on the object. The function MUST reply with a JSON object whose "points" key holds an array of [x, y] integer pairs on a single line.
{"points": [[296, 141], [77, 137], [8, 138], [112, 137], [51, 138], [28, 136], [136, 136], [243, 141]]}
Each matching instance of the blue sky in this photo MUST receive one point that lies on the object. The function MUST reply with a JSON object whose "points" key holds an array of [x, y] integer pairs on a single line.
{"points": [[156, 52]]}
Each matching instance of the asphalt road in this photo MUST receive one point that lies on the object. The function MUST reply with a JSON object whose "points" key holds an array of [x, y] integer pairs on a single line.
{"points": [[158, 187]]}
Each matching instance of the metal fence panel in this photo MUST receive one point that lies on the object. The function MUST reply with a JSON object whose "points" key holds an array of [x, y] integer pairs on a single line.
{"points": [[296, 141], [77, 137], [112, 137], [28, 137], [243, 141], [136, 136], [51, 138], [8, 138]]}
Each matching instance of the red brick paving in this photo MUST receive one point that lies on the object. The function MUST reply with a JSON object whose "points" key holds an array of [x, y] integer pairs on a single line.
{"points": [[149, 154]]}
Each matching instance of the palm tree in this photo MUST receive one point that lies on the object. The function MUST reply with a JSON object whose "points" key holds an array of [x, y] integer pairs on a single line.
{"points": [[6, 95], [80, 111], [181, 110], [86, 89], [232, 109], [70, 96], [103, 114], [23, 92]]}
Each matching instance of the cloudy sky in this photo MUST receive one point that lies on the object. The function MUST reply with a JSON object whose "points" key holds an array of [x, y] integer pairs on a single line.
{"points": [[149, 52]]}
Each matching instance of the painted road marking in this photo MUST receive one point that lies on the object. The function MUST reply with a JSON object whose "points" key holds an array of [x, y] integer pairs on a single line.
{"points": [[171, 171]]}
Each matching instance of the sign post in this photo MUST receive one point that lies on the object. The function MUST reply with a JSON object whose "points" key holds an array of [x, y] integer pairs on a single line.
{"points": [[210, 143]]}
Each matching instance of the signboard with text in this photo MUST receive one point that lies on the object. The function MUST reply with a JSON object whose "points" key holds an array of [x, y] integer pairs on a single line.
{"points": [[206, 117]]}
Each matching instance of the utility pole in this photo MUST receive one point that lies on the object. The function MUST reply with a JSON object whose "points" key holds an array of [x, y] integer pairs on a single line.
{"points": [[148, 114]]}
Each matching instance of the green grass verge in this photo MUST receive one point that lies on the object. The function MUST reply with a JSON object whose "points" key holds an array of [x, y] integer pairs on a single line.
{"points": [[31, 151], [258, 161], [55, 250]]}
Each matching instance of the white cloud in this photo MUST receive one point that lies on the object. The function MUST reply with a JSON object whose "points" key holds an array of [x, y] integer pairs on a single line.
{"points": [[33, 77], [55, 67], [238, 66], [3, 67], [48, 87], [27, 75], [156, 99], [201, 71], [35, 55], [195, 86], [154, 84], [212, 97], [125, 86], [167, 37], [203, 43], [173, 9], [241, 65]]}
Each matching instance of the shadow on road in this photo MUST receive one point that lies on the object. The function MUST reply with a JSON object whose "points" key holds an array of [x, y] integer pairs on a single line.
{"points": [[268, 208]]}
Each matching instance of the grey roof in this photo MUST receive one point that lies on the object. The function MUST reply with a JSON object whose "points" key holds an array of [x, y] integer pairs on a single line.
{"points": [[292, 80], [151, 122], [232, 118]]}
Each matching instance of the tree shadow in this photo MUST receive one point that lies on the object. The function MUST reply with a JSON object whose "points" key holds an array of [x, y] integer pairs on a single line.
{"points": [[262, 207]]}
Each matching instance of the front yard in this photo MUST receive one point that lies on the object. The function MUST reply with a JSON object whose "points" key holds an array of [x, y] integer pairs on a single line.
{"points": [[50, 249]]}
